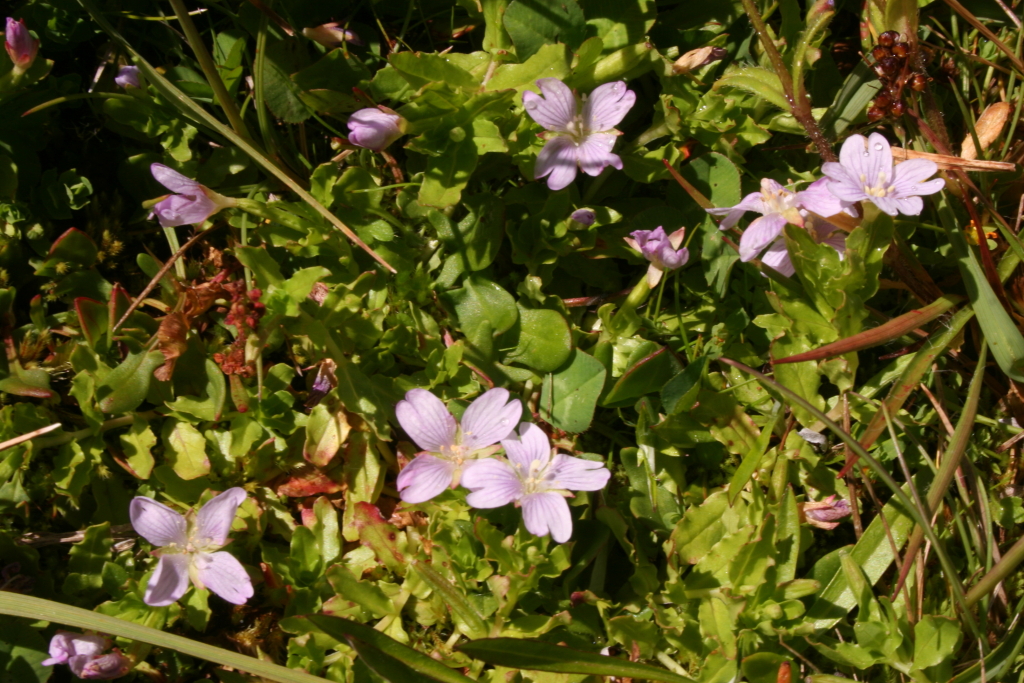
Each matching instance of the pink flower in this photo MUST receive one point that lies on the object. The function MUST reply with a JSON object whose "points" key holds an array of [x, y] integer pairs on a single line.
{"points": [[448, 448], [128, 75], [83, 655], [186, 545], [375, 128], [585, 217], [582, 141], [194, 202], [826, 513], [865, 173], [21, 46], [332, 35], [535, 478], [663, 251]]}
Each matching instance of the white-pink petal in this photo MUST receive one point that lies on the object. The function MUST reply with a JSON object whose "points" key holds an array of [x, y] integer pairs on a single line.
{"points": [[577, 474], [213, 523], [489, 419], [493, 483], [557, 161], [556, 109], [531, 445], [424, 478], [426, 420], [595, 153], [175, 181], [607, 105], [759, 234], [752, 202], [545, 513], [157, 523], [223, 575], [169, 581], [777, 257]]}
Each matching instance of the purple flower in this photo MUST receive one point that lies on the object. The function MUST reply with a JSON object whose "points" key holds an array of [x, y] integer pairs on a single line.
{"points": [[21, 46], [332, 35], [865, 173], [375, 128], [186, 545], [584, 217], [660, 249], [825, 514], [82, 653], [128, 75], [194, 202], [778, 206], [581, 140], [536, 479], [448, 448]]}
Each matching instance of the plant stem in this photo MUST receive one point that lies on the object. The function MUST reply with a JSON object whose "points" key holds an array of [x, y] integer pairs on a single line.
{"points": [[799, 106], [227, 103]]}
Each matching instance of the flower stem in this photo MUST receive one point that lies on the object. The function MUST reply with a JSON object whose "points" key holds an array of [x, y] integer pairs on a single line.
{"points": [[628, 307]]}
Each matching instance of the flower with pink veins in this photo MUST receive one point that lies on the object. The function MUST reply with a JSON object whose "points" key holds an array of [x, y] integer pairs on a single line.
{"points": [[581, 140], [865, 172], [20, 45], [186, 549], [663, 251], [450, 449], [535, 478], [84, 656], [193, 203]]}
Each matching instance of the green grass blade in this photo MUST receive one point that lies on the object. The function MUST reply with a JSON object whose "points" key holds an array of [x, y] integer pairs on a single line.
{"points": [[36, 609], [387, 667], [342, 629], [537, 655]]}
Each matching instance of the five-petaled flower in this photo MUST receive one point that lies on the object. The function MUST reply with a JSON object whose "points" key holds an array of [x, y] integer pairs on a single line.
{"points": [[779, 206], [375, 128], [21, 46], [663, 251], [84, 656], [450, 449], [194, 202], [128, 76], [535, 478], [186, 549], [865, 172], [581, 140]]}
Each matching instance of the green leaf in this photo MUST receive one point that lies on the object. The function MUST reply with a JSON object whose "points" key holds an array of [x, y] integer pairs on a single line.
{"points": [[137, 444], [569, 395], [550, 61], [541, 339], [532, 24], [646, 376], [282, 95], [421, 68], [185, 449], [125, 387], [536, 655], [85, 566], [341, 629], [197, 608], [618, 23], [448, 173], [757, 81], [464, 614], [363, 593], [483, 310], [936, 640], [22, 651], [387, 667], [326, 431], [474, 241], [680, 393], [750, 461]]}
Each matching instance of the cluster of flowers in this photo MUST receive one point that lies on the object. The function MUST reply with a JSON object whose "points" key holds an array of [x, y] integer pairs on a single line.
{"points": [[533, 476], [865, 172]]}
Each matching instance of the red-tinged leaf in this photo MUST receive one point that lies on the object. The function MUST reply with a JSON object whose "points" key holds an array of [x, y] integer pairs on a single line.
{"points": [[376, 533], [93, 318], [895, 328], [308, 481]]}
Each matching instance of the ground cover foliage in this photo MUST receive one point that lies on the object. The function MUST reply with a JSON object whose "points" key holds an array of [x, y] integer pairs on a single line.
{"points": [[852, 513]]}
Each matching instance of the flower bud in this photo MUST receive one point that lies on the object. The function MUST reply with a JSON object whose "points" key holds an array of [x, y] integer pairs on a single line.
{"points": [[375, 128], [585, 217], [332, 35], [21, 46], [128, 76]]}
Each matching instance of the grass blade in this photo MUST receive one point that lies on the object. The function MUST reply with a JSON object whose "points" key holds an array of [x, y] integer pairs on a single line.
{"points": [[537, 655]]}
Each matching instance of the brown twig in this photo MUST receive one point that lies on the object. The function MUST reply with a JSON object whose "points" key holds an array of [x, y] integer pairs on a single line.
{"points": [[10, 443], [985, 31], [799, 105], [40, 540]]}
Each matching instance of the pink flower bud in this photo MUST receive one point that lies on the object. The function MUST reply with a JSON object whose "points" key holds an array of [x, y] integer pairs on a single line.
{"points": [[332, 35], [375, 128], [128, 76], [21, 46]]}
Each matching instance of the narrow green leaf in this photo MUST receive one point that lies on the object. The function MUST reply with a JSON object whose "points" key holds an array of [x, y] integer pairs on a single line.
{"points": [[460, 607], [540, 656], [749, 464], [36, 609], [342, 629]]}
